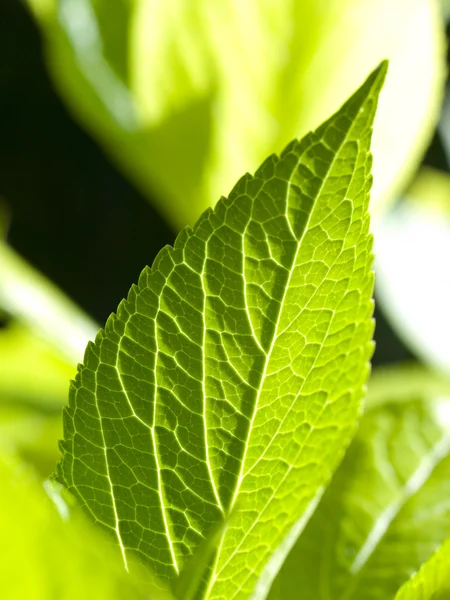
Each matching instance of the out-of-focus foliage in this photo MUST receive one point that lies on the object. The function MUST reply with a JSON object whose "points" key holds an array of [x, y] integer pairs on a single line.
{"points": [[32, 433], [44, 338], [405, 381], [387, 508], [33, 386], [32, 299], [45, 557], [40, 345], [412, 264], [445, 7], [188, 95], [31, 371]]}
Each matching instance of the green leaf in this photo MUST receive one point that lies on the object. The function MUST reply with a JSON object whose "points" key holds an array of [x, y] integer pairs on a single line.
{"points": [[445, 8], [31, 434], [31, 371], [388, 506], [186, 585], [42, 342], [33, 388], [37, 303], [432, 582], [186, 96], [231, 379], [46, 557], [406, 381]]}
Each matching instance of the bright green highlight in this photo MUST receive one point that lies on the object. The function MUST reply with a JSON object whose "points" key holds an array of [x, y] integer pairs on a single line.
{"points": [[413, 280]]}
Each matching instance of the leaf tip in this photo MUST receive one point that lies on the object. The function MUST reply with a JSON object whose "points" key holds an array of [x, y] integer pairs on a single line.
{"points": [[381, 71], [376, 79]]}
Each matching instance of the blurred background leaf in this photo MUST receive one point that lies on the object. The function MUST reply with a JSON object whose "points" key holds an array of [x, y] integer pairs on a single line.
{"points": [[44, 556], [33, 388], [39, 305], [387, 508], [412, 249], [188, 96], [445, 8], [42, 339]]}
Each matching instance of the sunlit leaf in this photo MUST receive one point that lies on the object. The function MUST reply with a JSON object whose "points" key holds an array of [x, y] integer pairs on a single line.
{"points": [[31, 371], [31, 433], [231, 377], [40, 345]]}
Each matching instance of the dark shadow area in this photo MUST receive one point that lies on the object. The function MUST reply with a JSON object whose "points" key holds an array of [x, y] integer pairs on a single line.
{"points": [[73, 215]]}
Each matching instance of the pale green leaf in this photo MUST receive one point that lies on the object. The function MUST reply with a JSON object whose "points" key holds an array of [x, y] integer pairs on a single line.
{"points": [[231, 378], [388, 506], [432, 582], [31, 434], [31, 371], [44, 557], [405, 381], [445, 8], [37, 303], [34, 380], [186, 96], [413, 279]]}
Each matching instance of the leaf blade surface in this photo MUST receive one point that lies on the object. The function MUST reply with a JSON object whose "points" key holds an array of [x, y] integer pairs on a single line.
{"points": [[232, 376]]}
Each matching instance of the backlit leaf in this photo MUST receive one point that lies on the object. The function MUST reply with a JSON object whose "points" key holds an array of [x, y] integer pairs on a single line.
{"points": [[231, 378]]}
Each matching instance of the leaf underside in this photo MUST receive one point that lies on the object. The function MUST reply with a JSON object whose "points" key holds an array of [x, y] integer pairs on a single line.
{"points": [[231, 377]]}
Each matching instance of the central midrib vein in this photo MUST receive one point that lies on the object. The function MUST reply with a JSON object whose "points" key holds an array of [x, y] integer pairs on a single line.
{"points": [[240, 478]]}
